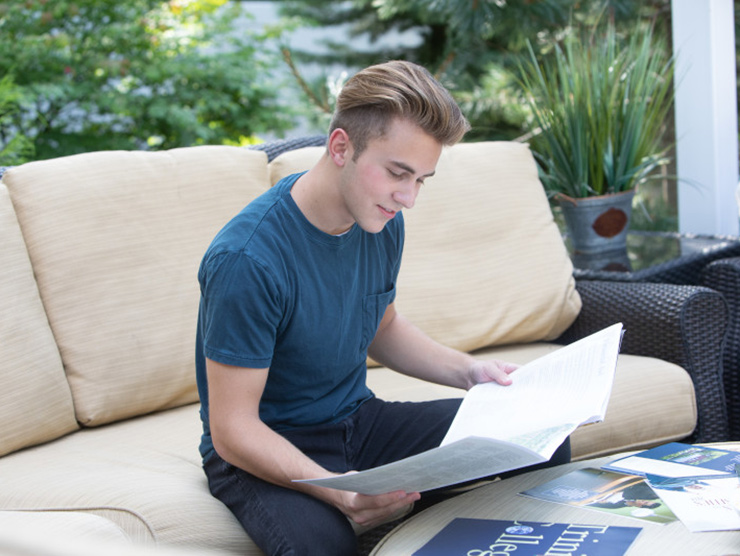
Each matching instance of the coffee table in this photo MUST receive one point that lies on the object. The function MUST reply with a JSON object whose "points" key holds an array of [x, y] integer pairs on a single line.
{"points": [[500, 500]]}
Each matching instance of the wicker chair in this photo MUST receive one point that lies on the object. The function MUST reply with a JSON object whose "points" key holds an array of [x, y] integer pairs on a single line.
{"points": [[683, 324], [719, 270], [724, 276]]}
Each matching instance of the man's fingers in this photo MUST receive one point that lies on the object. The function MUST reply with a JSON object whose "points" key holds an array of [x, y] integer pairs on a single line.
{"points": [[369, 510]]}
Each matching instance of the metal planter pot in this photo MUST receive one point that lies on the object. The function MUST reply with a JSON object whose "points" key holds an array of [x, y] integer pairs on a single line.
{"points": [[597, 224]]}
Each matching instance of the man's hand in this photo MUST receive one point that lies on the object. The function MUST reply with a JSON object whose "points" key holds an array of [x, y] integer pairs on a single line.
{"points": [[491, 370], [369, 510]]}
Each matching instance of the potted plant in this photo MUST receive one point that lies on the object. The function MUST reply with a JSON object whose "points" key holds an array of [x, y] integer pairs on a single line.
{"points": [[599, 102]]}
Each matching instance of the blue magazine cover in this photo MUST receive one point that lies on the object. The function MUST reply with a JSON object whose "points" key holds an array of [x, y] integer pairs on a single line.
{"points": [[474, 537], [676, 459]]}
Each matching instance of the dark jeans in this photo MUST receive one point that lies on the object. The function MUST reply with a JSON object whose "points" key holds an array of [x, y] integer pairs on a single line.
{"points": [[287, 522]]}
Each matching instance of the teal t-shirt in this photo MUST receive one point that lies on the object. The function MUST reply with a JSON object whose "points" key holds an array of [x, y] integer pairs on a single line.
{"points": [[278, 293]]}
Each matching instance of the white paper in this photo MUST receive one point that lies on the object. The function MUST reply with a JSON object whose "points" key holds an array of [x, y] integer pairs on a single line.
{"points": [[568, 386], [701, 504], [464, 460], [500, 428]]}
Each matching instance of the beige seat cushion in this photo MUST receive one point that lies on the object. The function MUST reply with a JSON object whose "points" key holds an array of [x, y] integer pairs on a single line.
{"points": [[51, 533], [23, 528], [484, 263], [142, 475], [116, 239], [35, 401], [652, 401]]}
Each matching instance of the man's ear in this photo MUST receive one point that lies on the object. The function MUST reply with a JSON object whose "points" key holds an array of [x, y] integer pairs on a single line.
{"points": [[339, 147]]}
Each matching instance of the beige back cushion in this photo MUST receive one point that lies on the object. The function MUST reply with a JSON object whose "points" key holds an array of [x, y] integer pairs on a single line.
{"points": [[115, 239], [295, 161], [35, 401], [484, 263]]}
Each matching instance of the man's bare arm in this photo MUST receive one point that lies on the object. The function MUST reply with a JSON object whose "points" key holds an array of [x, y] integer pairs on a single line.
{"points": [[242, 439], [401, 346]]}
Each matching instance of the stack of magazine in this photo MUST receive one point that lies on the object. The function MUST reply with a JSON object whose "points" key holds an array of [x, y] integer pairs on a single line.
{"points": [[697, 484]]}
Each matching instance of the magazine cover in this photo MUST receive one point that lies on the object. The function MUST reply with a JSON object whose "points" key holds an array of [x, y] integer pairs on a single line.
{"points": [[701, 503], [605, 491], [477, 537], [676, 459]]}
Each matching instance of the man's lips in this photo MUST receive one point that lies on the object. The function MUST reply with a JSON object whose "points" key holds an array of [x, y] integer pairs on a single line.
{"points": [[386, 212]]}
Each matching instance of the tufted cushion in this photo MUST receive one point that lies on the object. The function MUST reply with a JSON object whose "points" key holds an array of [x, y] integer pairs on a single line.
{"points": [[35, 401], [484, 262], [115, 239]]}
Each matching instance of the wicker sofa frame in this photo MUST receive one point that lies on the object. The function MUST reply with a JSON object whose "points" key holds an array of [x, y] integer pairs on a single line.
{"points": [[689, 316]]}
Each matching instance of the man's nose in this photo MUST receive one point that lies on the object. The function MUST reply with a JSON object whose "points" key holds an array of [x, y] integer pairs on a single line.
{"points": [[406, 195]]}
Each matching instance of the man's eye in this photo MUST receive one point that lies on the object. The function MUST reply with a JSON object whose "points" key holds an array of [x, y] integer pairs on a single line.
{"points": [[395, 175]]}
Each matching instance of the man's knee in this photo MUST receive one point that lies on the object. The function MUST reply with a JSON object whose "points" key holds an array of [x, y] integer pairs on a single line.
{"points": [[320, 536], [281, 521]]}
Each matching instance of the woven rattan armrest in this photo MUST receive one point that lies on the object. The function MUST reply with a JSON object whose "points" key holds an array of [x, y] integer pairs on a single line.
{"points": [[685, 325], [724, 276]]}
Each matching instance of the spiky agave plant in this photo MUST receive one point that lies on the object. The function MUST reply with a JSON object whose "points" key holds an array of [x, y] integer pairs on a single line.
{"points": [[600, 103]]}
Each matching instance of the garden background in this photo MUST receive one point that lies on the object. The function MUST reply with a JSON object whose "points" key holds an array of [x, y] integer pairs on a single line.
{"points": [[83, 75]]}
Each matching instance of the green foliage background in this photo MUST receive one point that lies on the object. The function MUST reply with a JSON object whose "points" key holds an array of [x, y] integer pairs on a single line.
{"points": [[106, 74], [80, 75], [473, 46]]}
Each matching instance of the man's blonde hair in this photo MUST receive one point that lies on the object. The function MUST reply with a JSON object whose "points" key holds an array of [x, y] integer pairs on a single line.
{"points": [[373, 97]]}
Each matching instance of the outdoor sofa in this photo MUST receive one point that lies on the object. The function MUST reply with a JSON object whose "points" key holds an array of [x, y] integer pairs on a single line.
{"points": [[98, 405]]}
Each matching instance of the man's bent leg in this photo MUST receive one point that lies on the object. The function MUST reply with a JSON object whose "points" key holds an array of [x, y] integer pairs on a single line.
{"points": [[382, 432], [280, 521]]}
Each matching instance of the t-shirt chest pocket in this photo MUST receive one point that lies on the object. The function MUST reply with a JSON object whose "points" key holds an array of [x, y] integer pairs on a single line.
{"points": [[373, 309]]}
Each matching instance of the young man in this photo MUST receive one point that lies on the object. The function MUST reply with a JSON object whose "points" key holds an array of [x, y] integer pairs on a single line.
{"points": [[296, 291]]}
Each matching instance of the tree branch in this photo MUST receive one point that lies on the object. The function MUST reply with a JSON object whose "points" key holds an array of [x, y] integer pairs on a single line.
{"points": [[324, 106]]}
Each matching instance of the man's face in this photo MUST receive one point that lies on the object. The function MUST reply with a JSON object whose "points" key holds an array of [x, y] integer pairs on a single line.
{"points": [[387, 175]]}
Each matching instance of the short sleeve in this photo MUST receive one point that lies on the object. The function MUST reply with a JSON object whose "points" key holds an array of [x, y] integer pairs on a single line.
{"points": [[240, 310]]}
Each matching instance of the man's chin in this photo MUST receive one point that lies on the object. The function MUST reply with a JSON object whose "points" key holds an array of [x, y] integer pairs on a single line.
{"points": [[372, 227]]}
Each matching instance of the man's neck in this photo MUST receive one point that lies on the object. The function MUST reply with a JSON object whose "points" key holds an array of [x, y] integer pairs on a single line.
{"points": [[316, 193]]}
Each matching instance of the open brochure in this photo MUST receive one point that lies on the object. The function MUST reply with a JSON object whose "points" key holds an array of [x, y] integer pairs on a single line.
{"points": [[605, 491], [500, 428]]}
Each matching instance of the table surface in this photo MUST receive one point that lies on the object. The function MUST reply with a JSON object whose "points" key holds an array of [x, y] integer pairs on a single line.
{"points": [[500, 500], [654, 255]]}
